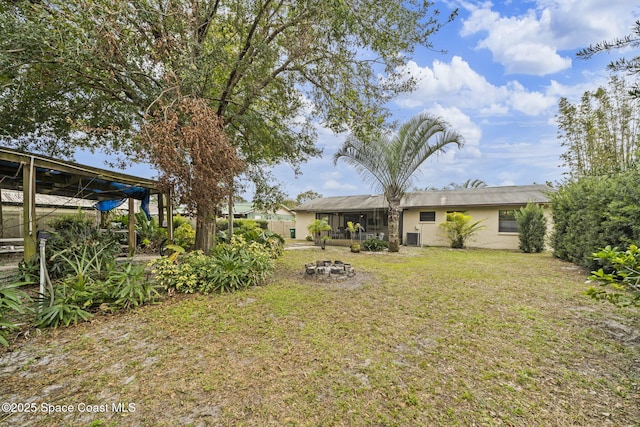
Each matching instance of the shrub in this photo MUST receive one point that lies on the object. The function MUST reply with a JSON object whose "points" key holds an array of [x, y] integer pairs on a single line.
{"points": [[319, 226], [12, 302], [238, 223], [595, 212], [185, 236], [619, 276], [459, 228], [77, 246], [148, 233], [374, 245], [532, 227], [231, 266], [67, 308], [77, 224], [247, 228], [127, 288], [82, 264], [178, 220]]}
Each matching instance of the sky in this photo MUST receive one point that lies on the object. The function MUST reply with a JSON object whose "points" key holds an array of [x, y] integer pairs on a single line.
{"points": [[507, 63]]}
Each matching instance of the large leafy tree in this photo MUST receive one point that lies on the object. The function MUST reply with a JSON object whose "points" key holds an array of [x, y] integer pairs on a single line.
{"points": [[197, 161], [390, 160], [601, 133], [94, 72]]}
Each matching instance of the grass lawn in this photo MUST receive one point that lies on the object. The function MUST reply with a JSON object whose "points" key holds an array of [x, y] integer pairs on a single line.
{"points": [[426, 337]]}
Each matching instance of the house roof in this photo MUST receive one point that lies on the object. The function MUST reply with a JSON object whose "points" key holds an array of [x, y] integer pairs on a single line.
{"points": [[487, 196], [14, 197], [344, 203], [245, 208]]}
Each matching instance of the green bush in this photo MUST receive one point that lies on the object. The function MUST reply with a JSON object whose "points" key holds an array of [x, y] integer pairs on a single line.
{"points": [[459, 228], [127, 288], [185, 236], [148, 233], [82, 264], [374, 245], [66, 309], [12, 302], [231, 266], [77, 224], [619, 276], [251, 231], [595, 212], [77, 246], [178, 220], [238, 223], [532, 227]]}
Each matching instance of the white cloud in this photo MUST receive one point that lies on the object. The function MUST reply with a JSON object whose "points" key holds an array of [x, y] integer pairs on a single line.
{"points": [[576, 24], [456, 84], [494, 110], [521, 44], [452, 83], [531, 42], [529, 103], [340, 187], [463, 125]]}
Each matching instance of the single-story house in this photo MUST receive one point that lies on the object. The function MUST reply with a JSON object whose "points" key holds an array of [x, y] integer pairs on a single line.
{"points": [[423, 211], [281, 221], [248, 210]]}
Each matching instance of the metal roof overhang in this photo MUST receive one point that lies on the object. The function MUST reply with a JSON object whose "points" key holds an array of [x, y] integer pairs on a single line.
{"points": [[63, 178], [34, 173]]}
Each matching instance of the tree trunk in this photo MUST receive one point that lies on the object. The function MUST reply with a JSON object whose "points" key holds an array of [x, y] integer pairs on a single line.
{"points": [[204, 230], [394, 226], [230, 214]]}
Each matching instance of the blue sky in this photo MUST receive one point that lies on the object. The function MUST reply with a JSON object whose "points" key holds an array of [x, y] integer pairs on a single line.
{"points": [[506, 66]]}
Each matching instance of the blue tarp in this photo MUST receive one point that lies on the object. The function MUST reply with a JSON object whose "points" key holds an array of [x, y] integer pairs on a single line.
{"points": [[137, 193]]}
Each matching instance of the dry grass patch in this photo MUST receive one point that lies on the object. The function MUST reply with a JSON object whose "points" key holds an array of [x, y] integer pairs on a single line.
{"points": [[425, 337]]}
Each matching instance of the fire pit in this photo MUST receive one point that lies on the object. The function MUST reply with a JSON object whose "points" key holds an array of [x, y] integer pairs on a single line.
{"points": [[336, 270]]}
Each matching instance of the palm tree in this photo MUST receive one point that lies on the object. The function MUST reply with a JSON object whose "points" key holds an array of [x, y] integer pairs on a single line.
{"points": [[389, 161], [470, 183]]}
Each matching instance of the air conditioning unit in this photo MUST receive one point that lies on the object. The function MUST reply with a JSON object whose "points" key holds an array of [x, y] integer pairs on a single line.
{"points": [[412, 239]]}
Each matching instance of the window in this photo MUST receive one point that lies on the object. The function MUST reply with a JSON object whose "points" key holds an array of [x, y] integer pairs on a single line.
{"points": [[507, 221], [428, 216]]}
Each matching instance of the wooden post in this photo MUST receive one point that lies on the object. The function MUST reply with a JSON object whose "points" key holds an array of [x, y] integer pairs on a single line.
{"points": [[170, 216], [132, 228], [1, 217], [29, 210], [160, 209]]}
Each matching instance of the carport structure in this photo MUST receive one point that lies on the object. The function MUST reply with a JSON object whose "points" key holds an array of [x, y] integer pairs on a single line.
{"points": [[34, 173]]}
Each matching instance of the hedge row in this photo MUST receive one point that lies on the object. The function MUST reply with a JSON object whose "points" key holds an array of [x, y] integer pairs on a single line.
{"points": [[594, 212]]}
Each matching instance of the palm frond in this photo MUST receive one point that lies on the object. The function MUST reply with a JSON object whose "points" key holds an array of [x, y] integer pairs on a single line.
{"points": [[390, 161]]}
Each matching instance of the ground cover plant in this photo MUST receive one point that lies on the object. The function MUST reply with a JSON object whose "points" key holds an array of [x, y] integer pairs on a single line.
{"points": [[428, 336], [618, 276]]}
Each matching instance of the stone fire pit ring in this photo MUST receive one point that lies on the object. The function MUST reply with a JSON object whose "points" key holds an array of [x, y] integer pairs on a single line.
{"points": [[327, 270]]}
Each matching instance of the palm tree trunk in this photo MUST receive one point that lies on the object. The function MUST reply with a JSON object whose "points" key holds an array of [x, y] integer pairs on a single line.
{"points": [[394, 226]]}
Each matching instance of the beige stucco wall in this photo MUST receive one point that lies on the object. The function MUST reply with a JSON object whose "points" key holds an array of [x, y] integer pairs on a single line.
{"points": [[303, 219], [430, 233]]}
